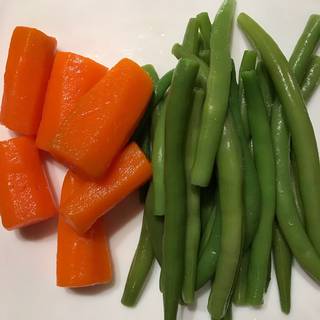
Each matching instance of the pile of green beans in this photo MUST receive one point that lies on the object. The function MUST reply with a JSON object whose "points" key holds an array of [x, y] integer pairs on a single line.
{"points": [[236, 172]]}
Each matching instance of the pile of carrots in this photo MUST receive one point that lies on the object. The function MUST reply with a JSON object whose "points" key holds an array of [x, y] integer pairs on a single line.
{"points": [[83, 115]]}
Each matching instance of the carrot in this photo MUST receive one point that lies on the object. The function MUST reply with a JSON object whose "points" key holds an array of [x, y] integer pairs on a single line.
{"points": [[27, 72], [128, 171], [103, 120], [71, 77], [81, 260], [24, 192]]}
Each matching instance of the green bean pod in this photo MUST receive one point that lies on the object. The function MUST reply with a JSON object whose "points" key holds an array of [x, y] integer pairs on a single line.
{"points": [[204, 54], [139, 269], [230, 195], [193, 228], [251, 186], [178, 108], [205, 28], [216, 102], [264, 159], [209, 255], [154, 224], [240, 290], [248, 62], [158, 156], [282, 260], [303, 137], [191, 37], [162, 86], [312, 79]]}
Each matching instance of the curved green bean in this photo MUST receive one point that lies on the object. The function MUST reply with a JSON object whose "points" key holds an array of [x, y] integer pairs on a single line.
{"points": [[282, 260], [193, 228], [139, 269], [177, 114], [264, 159], [230, 195], [205, 28], [303, 138], [216, 102]]}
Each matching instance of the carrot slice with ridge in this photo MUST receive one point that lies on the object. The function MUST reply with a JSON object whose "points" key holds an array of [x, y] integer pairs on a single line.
{"points": [[82, 260], [28, 68], [128, 171], [103, 120], [71, 77], [25, 197]]}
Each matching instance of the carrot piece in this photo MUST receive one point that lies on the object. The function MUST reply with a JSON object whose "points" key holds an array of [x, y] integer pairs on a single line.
{"points": [[128, 171], [27, 72], [71, 77], [103, 120], [81, 260], [24, 192]]}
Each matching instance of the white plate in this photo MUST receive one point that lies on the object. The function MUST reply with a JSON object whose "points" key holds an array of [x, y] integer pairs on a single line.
{"points": [[145, 31]]}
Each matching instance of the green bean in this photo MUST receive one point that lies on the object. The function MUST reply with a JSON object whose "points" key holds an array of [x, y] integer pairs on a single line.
{"points": [[162, 86], [191, 37], [230, 196], [193, 227], [268, 274], [303, 138], [305, 47], [248, 62], [155, 225], [263, 155], [216, 102], [287, 214], [179, 52], [282, 260], [205, 28], [228, 315], [204, 54], [151, 71], [251, 183], [312, 79], [158, 155], [265, 87], [177, 114], [240, 290], [207, 202], [139, 269], [210, 253]]}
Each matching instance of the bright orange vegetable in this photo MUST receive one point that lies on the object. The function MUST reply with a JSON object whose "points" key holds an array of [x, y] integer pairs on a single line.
{"points": [[128, 171], [24, 192], [103, 120], [81, 260], [71, 77], [30, 58]]}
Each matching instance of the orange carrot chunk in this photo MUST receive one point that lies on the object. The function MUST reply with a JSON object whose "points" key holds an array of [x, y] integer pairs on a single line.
{"points": [[24, 192], [30, 58], [71, 77], [81, 260], [103, 120], [128, 171]]}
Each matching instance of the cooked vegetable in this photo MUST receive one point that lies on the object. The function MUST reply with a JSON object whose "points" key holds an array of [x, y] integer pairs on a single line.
{"points": [[230, 195], [191, 37], [205, 28], [71, 77], [216, 102], [103, 120], [178, 107], [312, 79], [28, 67], [264, 159], [240, 290], [82, 260], [297, 118], [25, 197], [128, 171], [193, 224]]}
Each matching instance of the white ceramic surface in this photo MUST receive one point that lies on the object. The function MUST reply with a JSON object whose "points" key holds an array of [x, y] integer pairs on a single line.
{"points": [[145, 31]]}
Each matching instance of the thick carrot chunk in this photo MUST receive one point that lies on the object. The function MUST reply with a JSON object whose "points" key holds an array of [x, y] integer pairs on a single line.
{"points": [[71, 77], [128, 171], [103, 120], [29, 63], [81, 260], [24, 192]]}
